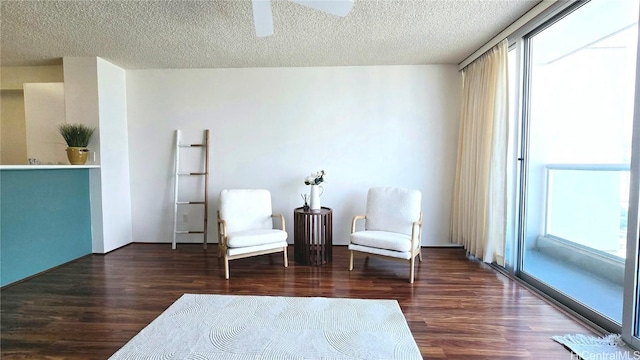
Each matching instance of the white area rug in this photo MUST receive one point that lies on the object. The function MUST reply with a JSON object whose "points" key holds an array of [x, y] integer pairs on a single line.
{"points": [[592, 347], [267, 327]]}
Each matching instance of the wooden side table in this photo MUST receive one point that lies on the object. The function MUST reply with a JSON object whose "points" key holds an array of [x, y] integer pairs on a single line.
{"points": [[312, 236]]}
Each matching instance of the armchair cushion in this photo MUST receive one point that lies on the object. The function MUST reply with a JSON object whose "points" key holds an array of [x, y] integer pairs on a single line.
{"points": [[255, 237], [393, 209], [251, 249], [246, 209], [382, 240], [371, 250]]}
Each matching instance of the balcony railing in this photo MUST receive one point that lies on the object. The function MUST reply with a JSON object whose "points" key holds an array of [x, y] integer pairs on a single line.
{"points": [[587, 204]]}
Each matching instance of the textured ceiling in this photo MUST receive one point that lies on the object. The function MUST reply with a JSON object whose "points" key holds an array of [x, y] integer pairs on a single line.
{"points": [[220, 34]]}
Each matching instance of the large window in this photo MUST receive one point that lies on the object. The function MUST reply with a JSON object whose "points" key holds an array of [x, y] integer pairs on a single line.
{"points": [[577, 119]]}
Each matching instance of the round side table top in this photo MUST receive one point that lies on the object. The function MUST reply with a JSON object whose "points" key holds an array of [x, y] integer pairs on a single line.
{"points": [[323, 210]]}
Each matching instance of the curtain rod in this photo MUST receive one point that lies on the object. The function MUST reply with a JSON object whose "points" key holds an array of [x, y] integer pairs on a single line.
{"points": [[528, 16]]}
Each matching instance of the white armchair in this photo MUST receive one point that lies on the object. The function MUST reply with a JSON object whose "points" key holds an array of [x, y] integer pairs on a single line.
{"points": [[393, 226], [245, 226]]}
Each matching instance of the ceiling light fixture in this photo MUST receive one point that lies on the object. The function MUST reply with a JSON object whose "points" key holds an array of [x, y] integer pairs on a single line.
{"points": [[263, 17]]}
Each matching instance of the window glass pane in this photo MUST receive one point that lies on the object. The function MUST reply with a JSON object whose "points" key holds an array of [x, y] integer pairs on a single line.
{"points": [[581, 97]]}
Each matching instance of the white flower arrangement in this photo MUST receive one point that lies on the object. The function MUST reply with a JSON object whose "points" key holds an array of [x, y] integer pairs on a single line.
{"points": [[315, 178]]}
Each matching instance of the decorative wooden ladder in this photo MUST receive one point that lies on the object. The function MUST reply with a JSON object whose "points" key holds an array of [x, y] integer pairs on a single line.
{"points": [[179, 175]]}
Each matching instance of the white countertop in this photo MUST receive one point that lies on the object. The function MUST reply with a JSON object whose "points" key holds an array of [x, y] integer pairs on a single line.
{"points": [[47, 167]]}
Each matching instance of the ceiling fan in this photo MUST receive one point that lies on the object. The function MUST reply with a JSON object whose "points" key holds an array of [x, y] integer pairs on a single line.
{"points": [[263, 19]]}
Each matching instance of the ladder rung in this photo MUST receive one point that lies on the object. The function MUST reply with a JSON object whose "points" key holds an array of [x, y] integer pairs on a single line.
{"points": [[189, 232], [193, 173], [190, 202]]}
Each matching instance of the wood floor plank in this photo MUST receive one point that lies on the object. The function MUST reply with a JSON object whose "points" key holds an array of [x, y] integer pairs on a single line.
{"points": [[458, 308]]}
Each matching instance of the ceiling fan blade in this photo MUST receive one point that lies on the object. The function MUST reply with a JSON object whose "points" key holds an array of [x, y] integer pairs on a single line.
{"points": [[335, 7], [262, 17]]}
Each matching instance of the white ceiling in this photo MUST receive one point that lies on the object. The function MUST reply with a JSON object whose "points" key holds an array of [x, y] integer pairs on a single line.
{"points": [[220, 34]]}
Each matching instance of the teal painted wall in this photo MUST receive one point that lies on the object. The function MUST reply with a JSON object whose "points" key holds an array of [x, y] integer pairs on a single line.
{"points": [[45, 220]]}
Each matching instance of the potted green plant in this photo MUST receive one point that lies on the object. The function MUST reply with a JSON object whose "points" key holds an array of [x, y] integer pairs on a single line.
{"points": [[77, 137]]}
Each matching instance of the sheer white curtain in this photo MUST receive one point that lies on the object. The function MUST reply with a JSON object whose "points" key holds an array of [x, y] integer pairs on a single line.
{"points": [[478, 218]]}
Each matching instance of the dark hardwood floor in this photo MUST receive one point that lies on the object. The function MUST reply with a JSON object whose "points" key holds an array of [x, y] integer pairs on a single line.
{"points": [[457, 308]]}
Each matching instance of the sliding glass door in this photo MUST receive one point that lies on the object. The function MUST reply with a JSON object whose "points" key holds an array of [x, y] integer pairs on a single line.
{"points": [[631, 307], [577, 144]]}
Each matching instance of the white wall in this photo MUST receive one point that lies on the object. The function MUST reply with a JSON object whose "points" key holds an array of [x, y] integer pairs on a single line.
{"points": [[271, 127], [114, 155], [95, 94], [81, 106], [44, 112], [13, 145]]}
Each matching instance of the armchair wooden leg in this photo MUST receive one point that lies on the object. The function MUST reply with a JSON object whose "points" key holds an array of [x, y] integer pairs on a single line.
{"points": [[351, 261], [413, 260], [286, 260], [226, 267], [420, 255]]}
